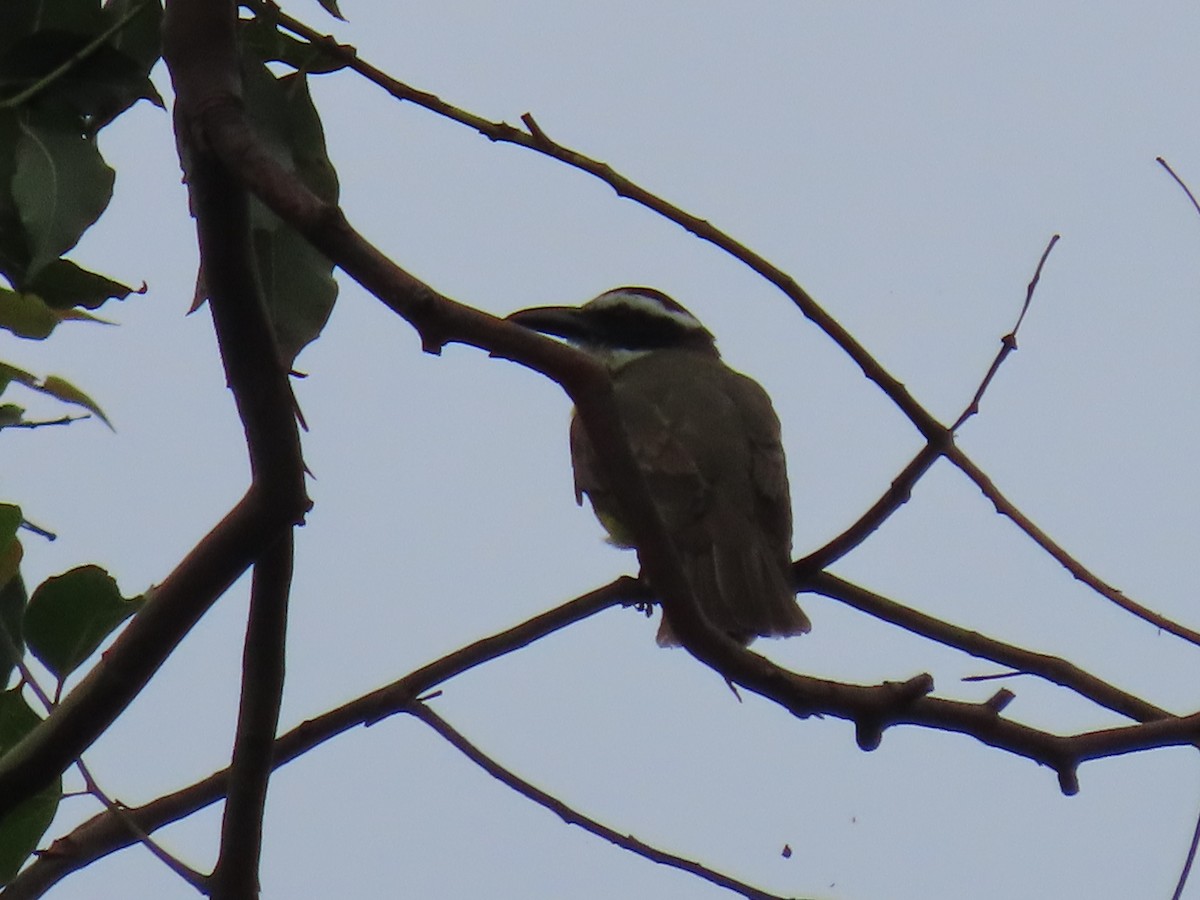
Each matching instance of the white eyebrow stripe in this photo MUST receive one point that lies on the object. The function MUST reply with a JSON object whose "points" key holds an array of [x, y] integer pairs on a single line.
{"points": [[647, 303]]}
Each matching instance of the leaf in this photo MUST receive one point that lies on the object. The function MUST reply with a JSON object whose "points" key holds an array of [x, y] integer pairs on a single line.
{"points": [[71, 614], [11, 414], [60, 186], [65, 391], [10, 521], [63, 284], [26, 315], [141, 38], [331, 7], [262, 39], [13, 602], [29, 316], [24, 826], [298, 286], [297, 280], [12, 591], [54, 386]]}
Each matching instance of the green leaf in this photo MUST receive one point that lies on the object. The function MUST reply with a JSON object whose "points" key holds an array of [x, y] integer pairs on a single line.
{"points": [[12, 592], [10, 521], [14, 248], [297, 280], [141, 38], [298, 286], [71, 614], [262, 39], [68, 393], [11, 414], [24, 826], [26, 315], [61, 186], [54, 386], [63, 284], [13, 602]]}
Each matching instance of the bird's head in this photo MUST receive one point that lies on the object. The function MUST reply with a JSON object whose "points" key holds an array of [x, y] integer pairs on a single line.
{"points": [[622, 324]]}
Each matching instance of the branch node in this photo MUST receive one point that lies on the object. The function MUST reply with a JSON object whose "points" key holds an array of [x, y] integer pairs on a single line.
{"points": [[1068, 779], [535, 130], [914, 689], [868, 733], [999, 700]]}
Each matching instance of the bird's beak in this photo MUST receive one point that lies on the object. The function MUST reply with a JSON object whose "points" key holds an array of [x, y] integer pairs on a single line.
{"points": [[560, 321]]}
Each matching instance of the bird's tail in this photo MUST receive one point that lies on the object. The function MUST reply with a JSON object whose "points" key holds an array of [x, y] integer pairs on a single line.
{"points": [[744, 591]]}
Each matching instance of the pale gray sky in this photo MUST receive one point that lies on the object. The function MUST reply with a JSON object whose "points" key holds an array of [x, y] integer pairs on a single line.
{"points": [[904, 162]]}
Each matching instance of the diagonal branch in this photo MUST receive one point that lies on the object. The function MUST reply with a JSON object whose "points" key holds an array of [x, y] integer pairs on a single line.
{"points": [[1052, 668], [573, 817], [1008, 343]]}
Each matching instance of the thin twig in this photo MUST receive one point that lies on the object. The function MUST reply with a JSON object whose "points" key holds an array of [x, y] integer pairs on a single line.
{"points": [[897, 494], [1162, 162], [574, 817], [192, 877], [115, 808], [1188, 861], [1008, 343], [900, 490], [46, 423]]}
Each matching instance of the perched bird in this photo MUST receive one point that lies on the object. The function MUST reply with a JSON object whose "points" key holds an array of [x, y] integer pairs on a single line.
{"points": [[707, 441]]}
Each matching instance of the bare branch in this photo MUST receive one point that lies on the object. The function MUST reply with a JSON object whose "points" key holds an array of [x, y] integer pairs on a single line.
{"points": [[1188, 861], [1051, 668], [1162, 162], [574, 817], [236, 872], [120, 811], [1008, 343], [897, 494]]}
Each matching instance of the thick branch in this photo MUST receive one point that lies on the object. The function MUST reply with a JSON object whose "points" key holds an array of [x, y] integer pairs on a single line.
{"points": [[199, 47], [236, 872], [125, 668]]}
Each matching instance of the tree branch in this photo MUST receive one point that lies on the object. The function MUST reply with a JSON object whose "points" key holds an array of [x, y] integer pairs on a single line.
{"points": [[200, 49], [1051, 668], [573, 817]]}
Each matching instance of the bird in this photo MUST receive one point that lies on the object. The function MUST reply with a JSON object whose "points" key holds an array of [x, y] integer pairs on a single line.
{"points": [[707, 441]]}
